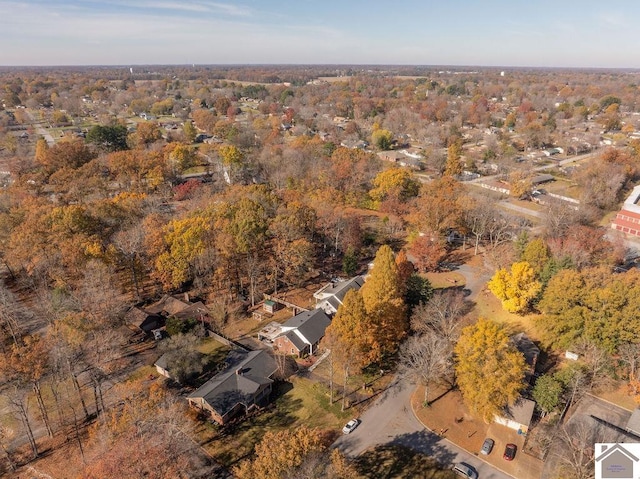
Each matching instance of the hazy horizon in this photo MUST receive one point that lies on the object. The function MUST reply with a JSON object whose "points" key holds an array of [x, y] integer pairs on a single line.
{"points": [[495, 33]]}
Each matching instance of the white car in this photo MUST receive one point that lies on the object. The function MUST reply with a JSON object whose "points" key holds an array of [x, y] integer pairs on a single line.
{"points": [[350, 426]]}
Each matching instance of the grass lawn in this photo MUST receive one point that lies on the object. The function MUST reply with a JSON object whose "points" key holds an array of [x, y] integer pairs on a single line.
{"points": [[298, 402], [446, 279], [212, 346]]}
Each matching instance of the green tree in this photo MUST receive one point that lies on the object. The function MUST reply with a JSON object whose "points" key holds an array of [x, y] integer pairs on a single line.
{"points": [[537, 254], [109, 138], [350, 262], [382, 295], [190, 131], [547, 393], [489, 369], [516, 288]]}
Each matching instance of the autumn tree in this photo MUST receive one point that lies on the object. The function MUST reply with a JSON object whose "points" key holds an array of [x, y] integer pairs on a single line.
{"points": [[489, 369], [350, 337], [516, 288], [591, 304], [440, 206], [429, 251], [27, 363], [146, 133], [397, 184], [280, 453], [453, 166], [382, 295], [382, 139], [184, 239]]}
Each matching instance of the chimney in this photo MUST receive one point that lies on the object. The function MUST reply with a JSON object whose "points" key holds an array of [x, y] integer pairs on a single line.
{"points": [[239, 371], [186, 297]]}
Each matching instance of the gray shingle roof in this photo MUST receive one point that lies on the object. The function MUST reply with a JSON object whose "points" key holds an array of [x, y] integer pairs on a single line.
{"points": [[339, 290], [238, 382], [309, 324]]}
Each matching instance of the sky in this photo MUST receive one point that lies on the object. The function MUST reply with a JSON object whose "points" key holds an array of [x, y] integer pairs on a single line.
{"points": [[535, 33]]}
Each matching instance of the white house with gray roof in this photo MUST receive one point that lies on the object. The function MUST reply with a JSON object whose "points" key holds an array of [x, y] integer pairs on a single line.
{"points": [[330, 297], [302, 333]]}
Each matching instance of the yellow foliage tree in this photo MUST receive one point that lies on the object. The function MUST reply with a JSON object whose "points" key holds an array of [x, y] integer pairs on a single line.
{"points": [[516, 288], [489, 369], [382, 295], [279, 453]]}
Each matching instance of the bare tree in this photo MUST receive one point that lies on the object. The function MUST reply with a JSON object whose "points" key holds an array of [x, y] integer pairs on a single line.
{"points": [[426, 359], [19, 402], [441, 314], [575, 451], [630, 355]]}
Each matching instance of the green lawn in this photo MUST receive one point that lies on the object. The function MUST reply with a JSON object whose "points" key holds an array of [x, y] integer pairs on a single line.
{"points": [[297, 402]]}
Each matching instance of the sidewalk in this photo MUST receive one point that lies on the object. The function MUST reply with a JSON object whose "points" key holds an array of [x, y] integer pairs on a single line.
{"points": [[449, 417]]}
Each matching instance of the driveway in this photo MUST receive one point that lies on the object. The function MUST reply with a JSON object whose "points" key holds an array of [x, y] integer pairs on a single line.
{"points": [[391, 421]]}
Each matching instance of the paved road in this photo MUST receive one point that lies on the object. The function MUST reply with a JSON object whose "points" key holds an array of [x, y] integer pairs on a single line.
{"points": [[40, 129], [391, 421]]}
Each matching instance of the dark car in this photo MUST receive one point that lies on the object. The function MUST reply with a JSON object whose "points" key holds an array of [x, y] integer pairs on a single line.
{"points": [[510, 452], [487, 446]]}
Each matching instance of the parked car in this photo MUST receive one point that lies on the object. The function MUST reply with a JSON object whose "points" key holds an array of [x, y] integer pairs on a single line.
{"points": [[509, 452], [465, 470], [350, 426], [487, 446]]}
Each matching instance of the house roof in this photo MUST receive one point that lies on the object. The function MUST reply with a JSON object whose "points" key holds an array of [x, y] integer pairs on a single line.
{"points": [[308, 326], [242, 377], [527, 347], [339, 290], [193, 311], [521, 412], [142, 319], [169, 305], [296, 340]]}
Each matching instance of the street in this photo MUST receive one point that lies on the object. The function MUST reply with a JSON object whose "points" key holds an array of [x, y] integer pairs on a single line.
{"points": [[391, 421]]}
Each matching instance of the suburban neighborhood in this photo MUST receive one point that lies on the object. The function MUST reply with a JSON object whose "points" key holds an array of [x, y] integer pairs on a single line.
{"points": [[323, 271]]}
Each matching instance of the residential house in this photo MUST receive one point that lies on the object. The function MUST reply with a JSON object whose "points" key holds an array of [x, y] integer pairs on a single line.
{"points": [[244, 384], [137, 318], [330, 297], [529, 350], [518, 416], [302, 333], [627, 219]]}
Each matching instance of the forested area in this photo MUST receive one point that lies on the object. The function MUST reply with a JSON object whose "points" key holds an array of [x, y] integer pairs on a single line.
{"points": [[231, 183]]}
